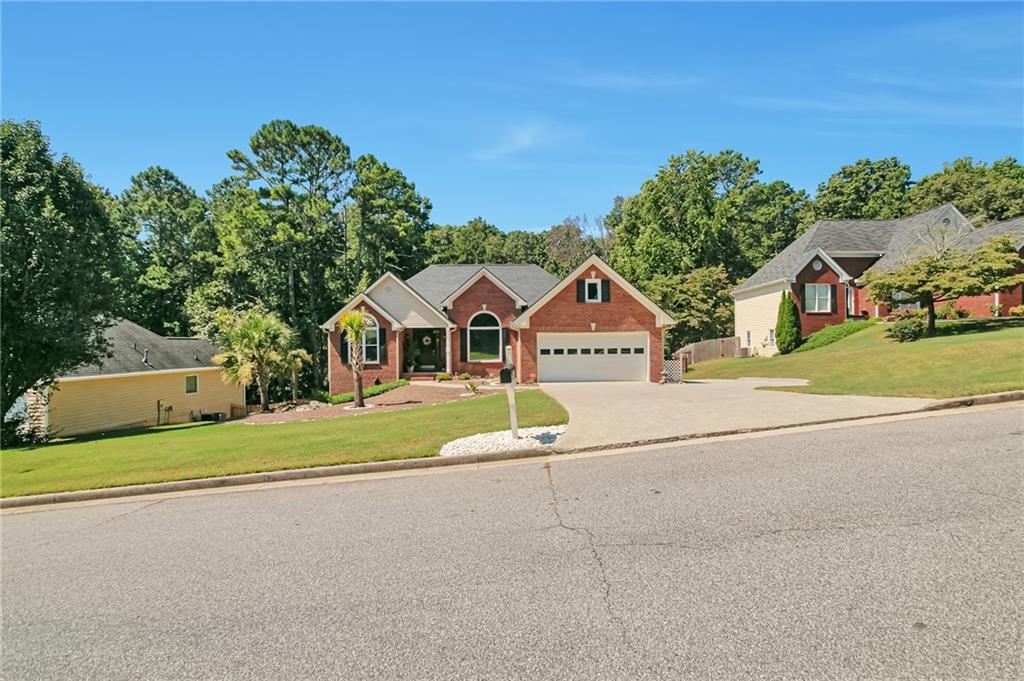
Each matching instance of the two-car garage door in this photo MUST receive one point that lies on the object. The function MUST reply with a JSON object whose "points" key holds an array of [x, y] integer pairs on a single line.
{"points": [[592, 357]]}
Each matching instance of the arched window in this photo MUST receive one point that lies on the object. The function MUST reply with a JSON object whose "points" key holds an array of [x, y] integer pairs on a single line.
{"points": [[371, 343], [484, 338]]}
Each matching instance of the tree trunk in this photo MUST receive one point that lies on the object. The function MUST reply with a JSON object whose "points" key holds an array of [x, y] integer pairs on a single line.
{"points": [[931, 315], [314, 355], [358, 377], [295, 385], [264, 389]]}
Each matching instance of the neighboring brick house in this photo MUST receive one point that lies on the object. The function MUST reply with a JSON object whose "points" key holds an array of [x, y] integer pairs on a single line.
{"points": [[823, 268], [592, 325]]}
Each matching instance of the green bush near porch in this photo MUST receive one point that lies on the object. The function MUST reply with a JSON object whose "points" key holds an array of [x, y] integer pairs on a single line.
{"points": [[368, 391]]}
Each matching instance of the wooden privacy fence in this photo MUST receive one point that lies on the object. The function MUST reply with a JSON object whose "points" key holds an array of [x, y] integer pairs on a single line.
{"points": [[713, 348]]}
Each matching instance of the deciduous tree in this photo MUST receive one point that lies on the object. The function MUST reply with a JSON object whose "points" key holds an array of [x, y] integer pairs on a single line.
{"points": [[61, 266]]}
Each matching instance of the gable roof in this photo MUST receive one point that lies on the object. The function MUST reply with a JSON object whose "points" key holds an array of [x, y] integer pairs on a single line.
{"points": [[661, 318], [437, 282], [128, 344], [1013, 227], [360, 299], [878, 237], [480, 274]]}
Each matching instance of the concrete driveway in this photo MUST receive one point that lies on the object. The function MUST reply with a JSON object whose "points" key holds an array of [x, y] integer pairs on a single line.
{"points": [[617, 413]]}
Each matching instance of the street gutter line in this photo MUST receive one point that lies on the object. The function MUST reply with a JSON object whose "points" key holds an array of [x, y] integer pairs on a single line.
{"points": [[405, 467]]}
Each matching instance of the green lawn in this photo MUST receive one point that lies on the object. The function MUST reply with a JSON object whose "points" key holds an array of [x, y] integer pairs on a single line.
{"points": [[965, 358], [204, 450]]}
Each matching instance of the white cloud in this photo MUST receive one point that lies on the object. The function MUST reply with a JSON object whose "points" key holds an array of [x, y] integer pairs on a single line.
{"points": [[515, 140]]}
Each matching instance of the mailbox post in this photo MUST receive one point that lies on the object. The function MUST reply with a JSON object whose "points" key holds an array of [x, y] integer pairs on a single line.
{"points": [[508, 377]]}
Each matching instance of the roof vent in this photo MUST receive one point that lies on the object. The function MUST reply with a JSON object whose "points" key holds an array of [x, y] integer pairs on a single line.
{"points": [[145, 356], [197, 357]]}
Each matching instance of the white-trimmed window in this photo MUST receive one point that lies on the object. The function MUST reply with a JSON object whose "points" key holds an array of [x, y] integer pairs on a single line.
{"points": [[191, 384], [483, 338], [592, 291], [818, 297], [371, 343]]}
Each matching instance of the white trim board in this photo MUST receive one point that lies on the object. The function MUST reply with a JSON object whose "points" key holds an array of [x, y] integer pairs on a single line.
{"points": [[819, 253], [156, 372]]}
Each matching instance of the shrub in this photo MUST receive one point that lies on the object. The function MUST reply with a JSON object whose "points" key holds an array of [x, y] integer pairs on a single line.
{"points": [[465, 376], [472, 388], [951, 311], [787, 325], [907, 330], [830, 334], [995, 309], [371, 391], [443, 377], [1016, 311]]}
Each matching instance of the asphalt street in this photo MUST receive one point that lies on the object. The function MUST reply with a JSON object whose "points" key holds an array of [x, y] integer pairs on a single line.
{"points": [[880, 550]]}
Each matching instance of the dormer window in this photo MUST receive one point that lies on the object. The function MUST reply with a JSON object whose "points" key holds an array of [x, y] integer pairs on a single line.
{"points": [[593, 291]]}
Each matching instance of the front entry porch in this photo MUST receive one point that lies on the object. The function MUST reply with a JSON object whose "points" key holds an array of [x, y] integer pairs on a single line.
{"points": [[425, 352]]}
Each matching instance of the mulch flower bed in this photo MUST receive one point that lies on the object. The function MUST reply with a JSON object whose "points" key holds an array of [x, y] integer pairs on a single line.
{"points": [[406, 397]]}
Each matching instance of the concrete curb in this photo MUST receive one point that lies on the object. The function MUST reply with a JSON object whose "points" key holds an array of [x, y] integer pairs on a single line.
{"points": [[265, 477], [990, 398], [438, 461]]}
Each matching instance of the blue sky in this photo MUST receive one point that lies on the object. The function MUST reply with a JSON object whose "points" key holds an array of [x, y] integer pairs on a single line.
{"points": [[526, 113]]}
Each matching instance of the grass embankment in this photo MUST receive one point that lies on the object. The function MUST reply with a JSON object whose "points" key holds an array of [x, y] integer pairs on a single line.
{"points": [[205, 450], [964, 358]]}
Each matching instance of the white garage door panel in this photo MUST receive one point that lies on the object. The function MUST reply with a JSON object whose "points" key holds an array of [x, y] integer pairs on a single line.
{"points": [[592, 357]]}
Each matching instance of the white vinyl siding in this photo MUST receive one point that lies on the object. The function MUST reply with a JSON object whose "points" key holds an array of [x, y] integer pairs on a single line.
{"points": [[755, 315], [98, 404], [410, 312]]}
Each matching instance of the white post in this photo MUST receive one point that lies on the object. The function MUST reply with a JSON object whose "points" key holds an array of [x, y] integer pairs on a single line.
{"points": [[510, 392]]}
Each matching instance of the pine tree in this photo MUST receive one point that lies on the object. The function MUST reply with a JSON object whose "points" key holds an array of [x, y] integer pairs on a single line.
{"points": [[787, 326]]}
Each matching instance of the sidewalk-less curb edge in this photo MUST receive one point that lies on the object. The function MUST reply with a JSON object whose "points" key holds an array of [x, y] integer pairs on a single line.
{"points": [[438, 461]]}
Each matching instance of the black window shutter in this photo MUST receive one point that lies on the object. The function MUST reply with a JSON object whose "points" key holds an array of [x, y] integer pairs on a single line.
{"points": [[462, 344], [382, 345], [606, 291], [832, 296], [580, 290], [803, 298], [344, 348]]}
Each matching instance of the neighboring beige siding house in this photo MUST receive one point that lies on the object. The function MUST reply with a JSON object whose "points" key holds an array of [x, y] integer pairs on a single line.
{"points": [[756, 312], [147, 380]]}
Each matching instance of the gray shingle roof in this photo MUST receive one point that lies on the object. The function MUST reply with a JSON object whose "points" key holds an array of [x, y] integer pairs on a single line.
{"points": [[1014, 227], [128, 343], [893, 238], [437, 282]]}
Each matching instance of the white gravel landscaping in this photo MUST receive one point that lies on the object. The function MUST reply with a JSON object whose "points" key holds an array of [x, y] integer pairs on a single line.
{"points": [[501, 441]]}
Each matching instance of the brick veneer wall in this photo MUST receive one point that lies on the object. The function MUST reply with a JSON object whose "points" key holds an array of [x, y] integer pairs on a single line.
{"points": [[816, 321], [340, 375], [500, 304], [563, 314]]}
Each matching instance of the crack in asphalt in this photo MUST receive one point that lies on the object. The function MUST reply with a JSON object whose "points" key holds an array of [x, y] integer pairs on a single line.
{"points": [[94, 525], [598, 560]]}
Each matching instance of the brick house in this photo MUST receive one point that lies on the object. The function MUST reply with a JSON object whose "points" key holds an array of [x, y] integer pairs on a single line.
{"points": [[823, 271], [593, 325]]}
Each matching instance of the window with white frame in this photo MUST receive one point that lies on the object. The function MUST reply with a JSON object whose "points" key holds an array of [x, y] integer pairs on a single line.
{"points": [[371, 342], [818, 297], [484, 338], [191, 385], [593, 291]]}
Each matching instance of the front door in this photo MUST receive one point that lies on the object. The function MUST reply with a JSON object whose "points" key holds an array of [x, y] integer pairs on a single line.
{"points": [[427, 343]]}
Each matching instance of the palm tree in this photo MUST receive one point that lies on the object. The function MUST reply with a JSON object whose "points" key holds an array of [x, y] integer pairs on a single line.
{"points": [[293, 362], [352, 324], [256, 345]]}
